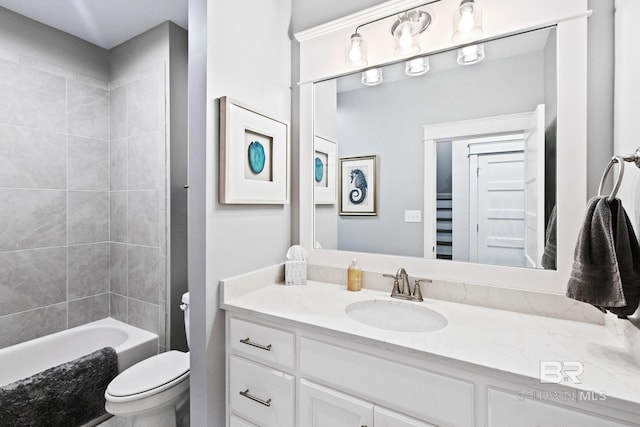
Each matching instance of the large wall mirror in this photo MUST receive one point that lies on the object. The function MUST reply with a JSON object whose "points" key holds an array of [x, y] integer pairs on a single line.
{"points": [[465, 156]]}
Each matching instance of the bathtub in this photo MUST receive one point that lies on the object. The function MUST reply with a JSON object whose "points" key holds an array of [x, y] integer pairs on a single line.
{"points": [[25, 359]]}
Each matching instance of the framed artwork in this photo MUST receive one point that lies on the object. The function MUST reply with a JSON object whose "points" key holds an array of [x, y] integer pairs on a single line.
{"points": [[254, 156], [359, 185], [324, 171]]}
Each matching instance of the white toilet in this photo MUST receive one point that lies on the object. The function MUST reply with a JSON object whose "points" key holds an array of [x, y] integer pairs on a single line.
{"points": [[150, 391]]}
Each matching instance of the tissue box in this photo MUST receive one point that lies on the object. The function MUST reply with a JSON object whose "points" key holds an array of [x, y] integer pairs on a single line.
{"points": [[295, 272]]}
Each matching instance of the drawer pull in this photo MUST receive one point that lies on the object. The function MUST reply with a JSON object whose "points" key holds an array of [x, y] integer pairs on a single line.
{"points": [[255, 399], [247, 341]]}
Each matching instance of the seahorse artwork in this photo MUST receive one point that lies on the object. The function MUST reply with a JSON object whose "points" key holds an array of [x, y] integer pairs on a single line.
{"points": [[359, 180]]}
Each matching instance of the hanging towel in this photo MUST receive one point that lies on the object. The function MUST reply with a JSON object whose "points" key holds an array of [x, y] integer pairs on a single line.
{"points": [[606, 268], [628, 256], [551, 243]]}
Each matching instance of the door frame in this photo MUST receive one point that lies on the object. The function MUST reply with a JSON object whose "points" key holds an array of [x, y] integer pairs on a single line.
{"points": [[450, 131]]}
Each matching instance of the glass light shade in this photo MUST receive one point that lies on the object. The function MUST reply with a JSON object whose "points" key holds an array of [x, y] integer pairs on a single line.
{"points": [[467, 22], [356, 52], [407, 37], [416, 66], [372, 77], [471, 54]]}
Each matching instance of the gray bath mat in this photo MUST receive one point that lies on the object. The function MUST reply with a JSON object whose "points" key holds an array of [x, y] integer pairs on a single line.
{"points": [[67, 395]]}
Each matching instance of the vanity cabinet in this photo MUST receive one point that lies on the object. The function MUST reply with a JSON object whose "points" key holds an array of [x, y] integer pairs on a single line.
{"points": [[324, 407], [239, 422], [286, 375], [510, 410], [259, 388]]}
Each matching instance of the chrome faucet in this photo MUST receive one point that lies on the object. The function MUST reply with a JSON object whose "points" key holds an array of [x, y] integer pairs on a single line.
{"points": [[402, 289]]}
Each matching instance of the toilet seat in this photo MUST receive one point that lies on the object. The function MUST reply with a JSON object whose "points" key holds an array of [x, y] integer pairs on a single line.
{"points": [[149, 377]]}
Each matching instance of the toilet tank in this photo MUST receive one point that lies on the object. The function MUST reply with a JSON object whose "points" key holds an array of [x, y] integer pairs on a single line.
{"points": [[185, 307]]}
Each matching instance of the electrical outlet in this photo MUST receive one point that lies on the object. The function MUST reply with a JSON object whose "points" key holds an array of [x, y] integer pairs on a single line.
{"points": [[412, 216]]}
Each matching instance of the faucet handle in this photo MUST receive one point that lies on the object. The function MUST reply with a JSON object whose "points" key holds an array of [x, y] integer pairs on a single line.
{"points": [[396, 285], [417, 293]]}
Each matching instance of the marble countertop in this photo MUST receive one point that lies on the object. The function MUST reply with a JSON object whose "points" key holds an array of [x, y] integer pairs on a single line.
{"points": [[505, 341]]}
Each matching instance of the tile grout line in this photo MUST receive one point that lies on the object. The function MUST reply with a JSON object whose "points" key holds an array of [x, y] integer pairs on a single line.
{"points": [[67, 192]]}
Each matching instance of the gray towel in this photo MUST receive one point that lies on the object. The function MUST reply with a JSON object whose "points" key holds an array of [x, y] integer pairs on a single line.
{"points": [[70, 394], [551, 243], [606, 268]]}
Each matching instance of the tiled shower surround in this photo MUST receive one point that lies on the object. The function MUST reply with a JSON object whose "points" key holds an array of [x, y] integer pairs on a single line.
{"points": [[138, 202], [82, 199]]}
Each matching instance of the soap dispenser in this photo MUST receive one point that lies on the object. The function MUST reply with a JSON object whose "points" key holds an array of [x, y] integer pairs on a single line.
{"points": [[354, 276]]}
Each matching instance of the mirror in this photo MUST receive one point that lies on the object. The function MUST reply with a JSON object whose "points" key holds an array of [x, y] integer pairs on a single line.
{"points": [[463, 157]]}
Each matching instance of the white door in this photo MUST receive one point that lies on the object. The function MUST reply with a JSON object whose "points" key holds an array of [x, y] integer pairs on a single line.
{"points": [[534, 154], [497, 209], [385, 418], [324, 407]]}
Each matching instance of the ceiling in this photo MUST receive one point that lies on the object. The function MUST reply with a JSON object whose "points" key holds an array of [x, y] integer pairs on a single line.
{"points": [[106, 23]]}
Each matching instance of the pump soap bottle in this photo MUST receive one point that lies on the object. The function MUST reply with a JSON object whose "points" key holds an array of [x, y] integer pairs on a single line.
{"points": [[354, 276]]}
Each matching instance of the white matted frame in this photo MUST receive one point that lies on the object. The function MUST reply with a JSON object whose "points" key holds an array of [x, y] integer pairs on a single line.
{"points": [[325, 157], [254, 156]]}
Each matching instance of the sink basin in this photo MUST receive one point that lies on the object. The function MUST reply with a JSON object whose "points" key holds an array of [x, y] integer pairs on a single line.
{"points": [[396, 316]]}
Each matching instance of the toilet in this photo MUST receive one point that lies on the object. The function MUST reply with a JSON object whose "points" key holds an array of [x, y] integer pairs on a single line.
{"points": [[150, 392]]}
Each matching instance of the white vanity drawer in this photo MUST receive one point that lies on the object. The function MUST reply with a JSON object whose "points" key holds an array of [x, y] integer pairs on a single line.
{"points": [[419, 393], [260, 394], [239, 422], [511, 410], [263, 343]]}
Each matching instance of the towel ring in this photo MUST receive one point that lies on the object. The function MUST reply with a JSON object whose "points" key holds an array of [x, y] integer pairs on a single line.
{"points": [[616, 186]]}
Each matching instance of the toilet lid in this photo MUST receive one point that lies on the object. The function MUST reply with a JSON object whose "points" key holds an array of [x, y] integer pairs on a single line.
{"points": [[149, 374]]}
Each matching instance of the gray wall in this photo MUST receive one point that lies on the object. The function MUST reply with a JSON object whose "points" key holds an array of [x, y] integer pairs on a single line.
{"points": [[368, 123], [54, 181], [197, 208], [600, 94], [138, 163], [36, 40], [238, 238]]}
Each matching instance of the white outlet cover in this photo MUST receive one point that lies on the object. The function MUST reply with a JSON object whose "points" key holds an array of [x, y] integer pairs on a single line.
{"points": [[412, 216]]}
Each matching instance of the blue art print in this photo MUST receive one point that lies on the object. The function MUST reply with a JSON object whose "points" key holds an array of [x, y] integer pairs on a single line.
{"points": [[319, 170], [256, 157], [359, 181]]}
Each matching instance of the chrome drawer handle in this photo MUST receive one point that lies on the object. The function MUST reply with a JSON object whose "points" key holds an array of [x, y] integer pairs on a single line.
{"points": [[247, 341], [255, 399]]}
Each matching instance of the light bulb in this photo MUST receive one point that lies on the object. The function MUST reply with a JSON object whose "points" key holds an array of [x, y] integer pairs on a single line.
{"points": [[467, 22], [406, 39], [416, 66], [372, 77], [471, 54], [355, 53]]}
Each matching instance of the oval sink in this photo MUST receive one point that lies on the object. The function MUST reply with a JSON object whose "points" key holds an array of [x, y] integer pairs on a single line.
{"points": [[396, 316]]}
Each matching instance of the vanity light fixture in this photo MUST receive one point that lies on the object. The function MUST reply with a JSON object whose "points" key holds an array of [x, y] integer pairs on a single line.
{"points": [[356, 52], [416, 66], [372, 77], [406, 31], [471, 54], [467, 22]]}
